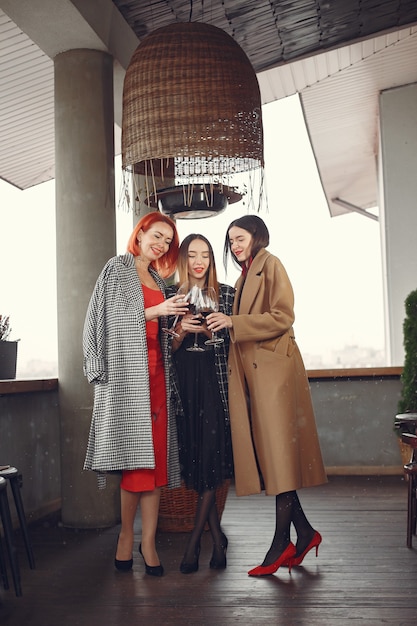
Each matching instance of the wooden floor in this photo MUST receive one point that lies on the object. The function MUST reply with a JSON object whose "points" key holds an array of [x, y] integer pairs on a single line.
{"points": [[364, 573]]}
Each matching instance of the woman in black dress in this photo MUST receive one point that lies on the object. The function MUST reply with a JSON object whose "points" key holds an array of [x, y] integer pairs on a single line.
{"points": [[202, 416]]}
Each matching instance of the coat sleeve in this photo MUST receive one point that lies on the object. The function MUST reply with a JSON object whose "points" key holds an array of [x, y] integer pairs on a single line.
{"points": [[271, 312], [94, 334]]}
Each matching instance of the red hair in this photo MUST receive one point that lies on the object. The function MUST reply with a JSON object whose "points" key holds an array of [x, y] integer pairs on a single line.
{"points": [[165, 266]]}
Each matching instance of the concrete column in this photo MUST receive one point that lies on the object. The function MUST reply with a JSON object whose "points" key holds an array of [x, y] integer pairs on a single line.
{"points": [[398, 210], [86, 239]]}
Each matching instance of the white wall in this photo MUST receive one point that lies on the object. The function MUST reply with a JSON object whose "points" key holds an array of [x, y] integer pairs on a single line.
{"points": [[398, 127]]}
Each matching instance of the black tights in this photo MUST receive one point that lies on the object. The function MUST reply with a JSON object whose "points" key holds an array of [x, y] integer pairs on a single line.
{"points": [[206, 512], [288, 509]]}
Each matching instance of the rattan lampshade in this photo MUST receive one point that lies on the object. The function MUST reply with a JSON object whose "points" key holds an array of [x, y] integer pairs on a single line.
{"points": [[191, 107]]}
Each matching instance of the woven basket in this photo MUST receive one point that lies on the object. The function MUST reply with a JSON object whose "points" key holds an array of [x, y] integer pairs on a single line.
{"points": [[178, 506], [191, 94]]}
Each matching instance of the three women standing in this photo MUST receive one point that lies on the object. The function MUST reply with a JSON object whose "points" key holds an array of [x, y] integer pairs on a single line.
{"points": [[203, 416], [275, 442], [133, 428]]}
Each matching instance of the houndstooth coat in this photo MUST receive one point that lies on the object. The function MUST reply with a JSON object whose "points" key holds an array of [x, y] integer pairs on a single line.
{"points": [[116, 362]]}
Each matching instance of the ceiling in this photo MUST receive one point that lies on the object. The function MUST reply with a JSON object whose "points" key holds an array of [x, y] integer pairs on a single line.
{"points": [[336, 54], [273, 32]]}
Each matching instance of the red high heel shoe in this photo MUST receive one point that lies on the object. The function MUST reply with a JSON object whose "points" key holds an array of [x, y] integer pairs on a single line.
{"points": [[314, 543], [265, 570]]}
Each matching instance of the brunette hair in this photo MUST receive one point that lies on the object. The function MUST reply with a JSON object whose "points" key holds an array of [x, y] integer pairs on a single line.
{"points": [[253, 225], [165, 266], [182, 267]]}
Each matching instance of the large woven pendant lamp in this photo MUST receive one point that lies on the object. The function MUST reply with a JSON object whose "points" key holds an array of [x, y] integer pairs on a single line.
{"points": [[191, 114]]}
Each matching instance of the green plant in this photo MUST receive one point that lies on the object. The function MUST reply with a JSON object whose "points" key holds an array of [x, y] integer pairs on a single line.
{"points": [[5, 328], [408, 399]]}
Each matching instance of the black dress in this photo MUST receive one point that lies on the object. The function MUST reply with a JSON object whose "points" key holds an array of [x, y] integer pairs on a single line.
{"points": [[205, 448]]}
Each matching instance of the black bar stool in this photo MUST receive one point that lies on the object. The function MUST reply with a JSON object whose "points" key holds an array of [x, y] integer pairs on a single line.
{"points": [[8, 537], [406, 423], [3, 568], [15, 479], [410, 470]]}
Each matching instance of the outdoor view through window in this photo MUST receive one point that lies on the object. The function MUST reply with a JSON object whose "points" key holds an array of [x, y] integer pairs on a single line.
{"points": [[334, 264]]}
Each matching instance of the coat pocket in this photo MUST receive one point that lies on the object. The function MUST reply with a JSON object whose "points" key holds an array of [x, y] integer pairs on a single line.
{"points": [[282, 346]]}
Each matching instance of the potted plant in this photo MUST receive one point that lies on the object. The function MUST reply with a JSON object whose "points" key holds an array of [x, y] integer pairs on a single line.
{"points": [[408, 398], [8, 350]]}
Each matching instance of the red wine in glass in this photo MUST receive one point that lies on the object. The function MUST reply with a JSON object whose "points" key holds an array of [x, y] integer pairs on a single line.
{"points": [[183, 291], [195, 305], [211, 304]]}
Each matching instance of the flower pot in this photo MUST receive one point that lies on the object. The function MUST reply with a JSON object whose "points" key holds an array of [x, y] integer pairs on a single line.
{"points": [[8, 357]]}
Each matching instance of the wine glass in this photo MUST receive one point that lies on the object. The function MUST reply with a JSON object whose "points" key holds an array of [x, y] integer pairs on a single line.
{"points": [[195, 306], [183, 291], [211, 301]]}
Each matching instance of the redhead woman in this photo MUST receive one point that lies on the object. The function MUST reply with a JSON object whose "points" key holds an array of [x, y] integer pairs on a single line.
{"points": [[133, 428], [202, 405], [274, 435]]}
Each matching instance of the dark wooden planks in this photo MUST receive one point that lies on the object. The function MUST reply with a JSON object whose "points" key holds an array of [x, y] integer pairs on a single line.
{"points": [[364, 573]]}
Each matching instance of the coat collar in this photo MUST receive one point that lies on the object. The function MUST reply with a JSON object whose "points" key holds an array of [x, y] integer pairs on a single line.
{"points": [[129, 261], [130, 282], [245, 297]]}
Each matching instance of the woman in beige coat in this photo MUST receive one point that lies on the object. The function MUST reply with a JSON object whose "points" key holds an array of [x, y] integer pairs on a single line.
{"points": [[274, 436]]}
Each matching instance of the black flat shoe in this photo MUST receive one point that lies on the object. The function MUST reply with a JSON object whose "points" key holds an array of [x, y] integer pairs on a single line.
{"points": [[151, 570], [189, 568], [219, 562], [123, 566]]}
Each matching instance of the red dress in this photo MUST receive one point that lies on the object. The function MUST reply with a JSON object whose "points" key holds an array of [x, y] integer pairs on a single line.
{"points": [[148, 479]]}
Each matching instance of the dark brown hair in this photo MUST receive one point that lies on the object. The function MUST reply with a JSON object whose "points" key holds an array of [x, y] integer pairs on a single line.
{"points": [[255, 226]]}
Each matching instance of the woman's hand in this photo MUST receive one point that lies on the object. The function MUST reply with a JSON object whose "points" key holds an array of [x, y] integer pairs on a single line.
{"points": [[189, 324], [217, 321], [173, 306], [192, 324]]}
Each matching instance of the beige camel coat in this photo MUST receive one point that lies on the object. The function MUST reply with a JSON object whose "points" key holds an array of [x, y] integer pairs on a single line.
{"points": [[271, 413]]}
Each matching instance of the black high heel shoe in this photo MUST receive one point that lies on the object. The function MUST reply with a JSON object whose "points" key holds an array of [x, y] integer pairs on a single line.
{"points": [[189, 568], [123, 566], [219, 563], [151, 570]]}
